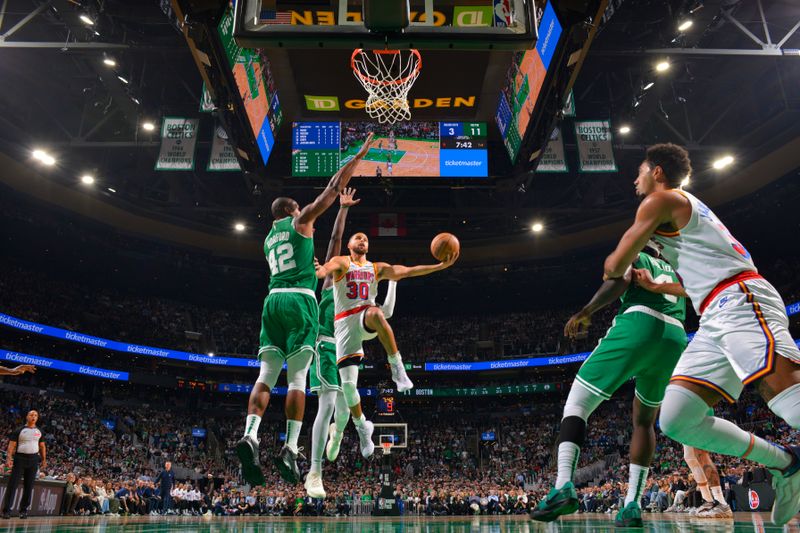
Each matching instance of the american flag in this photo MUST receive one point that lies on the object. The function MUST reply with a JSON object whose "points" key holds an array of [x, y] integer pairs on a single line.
{"points": [[275, 17]]}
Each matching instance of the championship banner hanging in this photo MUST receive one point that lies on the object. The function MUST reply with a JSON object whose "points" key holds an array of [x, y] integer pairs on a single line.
{"points": [[553, 157], [222, 157], [594, 146], [206, 102], [178, 139]]}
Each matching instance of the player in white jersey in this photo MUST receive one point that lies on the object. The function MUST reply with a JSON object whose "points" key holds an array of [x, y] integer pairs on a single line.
{"points": [[358, 318], [743, 336]]}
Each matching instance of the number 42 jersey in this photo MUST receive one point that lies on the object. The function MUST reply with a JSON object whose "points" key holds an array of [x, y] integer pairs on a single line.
{"points": [[290, 256]]}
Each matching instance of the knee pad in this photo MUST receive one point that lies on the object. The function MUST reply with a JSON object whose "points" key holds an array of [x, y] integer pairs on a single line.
{"points": [[787, 405], [581, 402], [573, 429], [349, 375], [271, 365], [297, 370]]}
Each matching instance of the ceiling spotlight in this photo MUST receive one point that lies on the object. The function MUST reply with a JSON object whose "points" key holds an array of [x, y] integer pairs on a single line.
{"points": [[148, 126], [723, 162], [86, 179], [211, 354], [662, 66], [111, 190], [648, 86], [123, 80], [135, 100], [537, 227], [239, 226], [44, 157], [110, 62], [685, 25], [624, 130], [87, 20]]}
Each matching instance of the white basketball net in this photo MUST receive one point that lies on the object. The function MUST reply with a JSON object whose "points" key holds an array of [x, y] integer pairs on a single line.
{"points": [[387, 76]]}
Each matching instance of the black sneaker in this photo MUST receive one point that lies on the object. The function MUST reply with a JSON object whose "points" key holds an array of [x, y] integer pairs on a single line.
{"points": [[5, 516], [286, 463], [247, 452], [23, 515]]}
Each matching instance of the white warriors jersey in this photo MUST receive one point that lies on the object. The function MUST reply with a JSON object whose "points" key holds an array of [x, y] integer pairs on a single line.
{"points": [[357, 289], [704, 254]]}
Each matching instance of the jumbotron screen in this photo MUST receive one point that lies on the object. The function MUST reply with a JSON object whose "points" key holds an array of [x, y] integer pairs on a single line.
{"points": [[409, 149]]}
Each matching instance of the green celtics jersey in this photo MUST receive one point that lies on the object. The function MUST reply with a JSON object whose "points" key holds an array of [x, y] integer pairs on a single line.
{"points": [[290, 256], [326, 312], [662, 272]]}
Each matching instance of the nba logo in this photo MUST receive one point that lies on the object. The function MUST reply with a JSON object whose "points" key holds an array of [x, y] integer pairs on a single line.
{"points": [[752, 496]]}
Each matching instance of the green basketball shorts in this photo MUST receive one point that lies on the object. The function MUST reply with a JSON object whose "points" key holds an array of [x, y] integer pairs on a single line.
{"points": [[324, 374], [642, 344], [289, 322]]}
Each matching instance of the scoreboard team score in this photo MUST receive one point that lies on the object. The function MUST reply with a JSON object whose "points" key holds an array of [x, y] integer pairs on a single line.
{"points": [[459, 150]]}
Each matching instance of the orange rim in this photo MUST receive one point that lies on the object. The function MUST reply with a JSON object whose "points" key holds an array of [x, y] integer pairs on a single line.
{"points": [[374, 81]]}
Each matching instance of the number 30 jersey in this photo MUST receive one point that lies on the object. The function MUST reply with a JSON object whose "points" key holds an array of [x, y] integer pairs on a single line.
{"points": [[290, 256], [356, 290]]}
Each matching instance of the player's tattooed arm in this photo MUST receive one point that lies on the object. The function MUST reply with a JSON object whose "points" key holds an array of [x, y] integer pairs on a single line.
{"points": [[398, 272], [334, 268], [336, 185], [645, 280], [609, 292], [654, 211]]}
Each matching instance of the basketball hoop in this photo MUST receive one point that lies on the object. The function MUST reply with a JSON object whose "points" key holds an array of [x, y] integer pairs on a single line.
{"points": [[387, 76], [387, 447]]}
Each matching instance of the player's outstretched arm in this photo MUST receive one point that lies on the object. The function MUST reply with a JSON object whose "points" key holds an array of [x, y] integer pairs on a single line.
{"points": [[398, 272], [346, 201], [654, 210], [335, 186], [334, 268], [645, 280], [17, 370], [609, 291]]}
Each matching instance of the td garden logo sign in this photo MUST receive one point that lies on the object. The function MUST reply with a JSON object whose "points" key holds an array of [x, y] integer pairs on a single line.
{"points": [[331, 103]]}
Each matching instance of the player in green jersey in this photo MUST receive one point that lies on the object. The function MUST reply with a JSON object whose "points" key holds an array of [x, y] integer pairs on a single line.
{"points": [[289, 322], [324, 373], [645, 341]]}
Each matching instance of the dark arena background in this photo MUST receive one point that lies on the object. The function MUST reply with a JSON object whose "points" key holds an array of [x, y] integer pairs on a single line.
{"points": [[143, 143]]}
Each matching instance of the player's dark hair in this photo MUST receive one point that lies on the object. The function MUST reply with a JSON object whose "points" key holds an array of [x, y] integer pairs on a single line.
{"points": [[673, 160], [281, 207]]}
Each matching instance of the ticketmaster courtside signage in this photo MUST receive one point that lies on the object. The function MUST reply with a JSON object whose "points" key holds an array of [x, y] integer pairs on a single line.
{"points": [[64, 366]]}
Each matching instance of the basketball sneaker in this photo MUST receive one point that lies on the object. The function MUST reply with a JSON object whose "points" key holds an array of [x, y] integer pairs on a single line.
{"points": [[704, 507], [400, 377], [314, 486], [365, 438], [334, 443], [247, 452], [286, 463], [629, 516], [787, 489], [716, 510], [558, 502]]}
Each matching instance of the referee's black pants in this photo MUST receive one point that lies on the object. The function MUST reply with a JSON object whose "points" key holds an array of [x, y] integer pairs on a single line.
{"points": [[26, 466]]}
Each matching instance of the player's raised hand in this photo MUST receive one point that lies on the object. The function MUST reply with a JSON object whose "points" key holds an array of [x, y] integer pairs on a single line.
{"points": [[578, 323], [347, 198], [450, 259], [21, 369], [365, 147]]}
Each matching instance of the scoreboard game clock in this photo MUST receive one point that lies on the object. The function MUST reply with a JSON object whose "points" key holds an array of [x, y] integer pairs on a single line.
{"points": [[463, 150], [386, 404]]}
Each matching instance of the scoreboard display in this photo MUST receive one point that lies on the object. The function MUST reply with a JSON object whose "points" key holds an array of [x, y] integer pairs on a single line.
{"points": [[410, 149]]}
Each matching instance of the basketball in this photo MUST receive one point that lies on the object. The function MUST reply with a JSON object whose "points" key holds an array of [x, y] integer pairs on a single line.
{"points": [[443, 245]]}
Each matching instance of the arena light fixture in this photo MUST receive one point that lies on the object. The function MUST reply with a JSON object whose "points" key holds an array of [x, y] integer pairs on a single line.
{"points": [[239, 226], [110, 189], [148, 126], [723, 162], [87, 20], [624, 130], [87, 179], [211, 354], [685, 25], [685, 182], [662, 66], [123, 80], [110, 62], [44, 158], [649, 85], [537, 227]]}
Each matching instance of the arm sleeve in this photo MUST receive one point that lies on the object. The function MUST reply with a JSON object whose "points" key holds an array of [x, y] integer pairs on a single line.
{"points": [[389, 301]]}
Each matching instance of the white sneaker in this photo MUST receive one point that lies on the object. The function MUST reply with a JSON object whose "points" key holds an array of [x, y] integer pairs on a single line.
{"points": [[400, 377], [365, 438], [717, 510], [787, 489], [314, 486], [334, 443], [704, 507]]}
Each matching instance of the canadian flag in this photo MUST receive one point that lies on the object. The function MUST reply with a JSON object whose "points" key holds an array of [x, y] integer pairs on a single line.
{"points": [[388, 225]]}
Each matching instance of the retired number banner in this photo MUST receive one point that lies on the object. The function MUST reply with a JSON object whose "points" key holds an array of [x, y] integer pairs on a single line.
{"points": [[178, 139], [594, 146], [222, 158], [552, 159]]}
